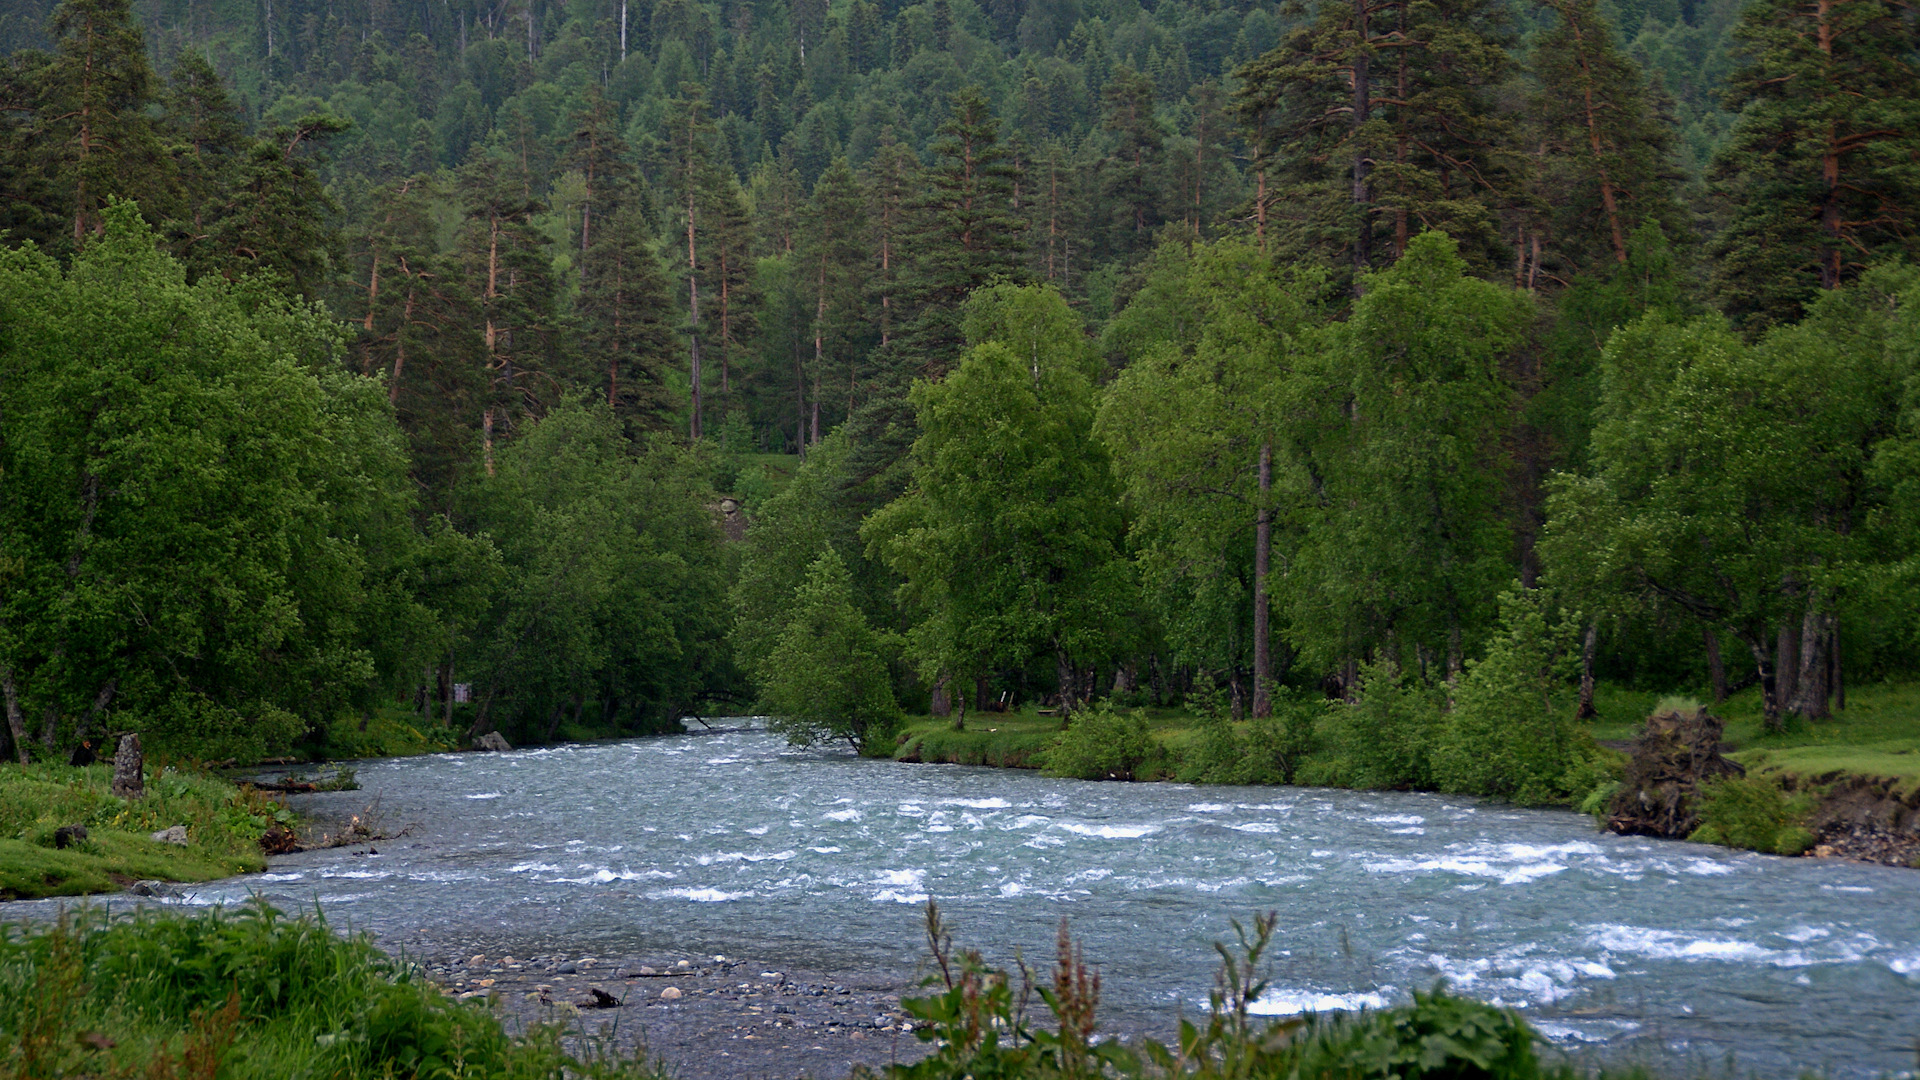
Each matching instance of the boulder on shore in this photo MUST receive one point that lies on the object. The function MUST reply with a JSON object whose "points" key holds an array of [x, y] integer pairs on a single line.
{"points": [[1666, 764], [492, 740], [175, 834]]}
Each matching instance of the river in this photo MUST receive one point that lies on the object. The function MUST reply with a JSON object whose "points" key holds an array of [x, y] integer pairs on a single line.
{"points": [[738, 843]]}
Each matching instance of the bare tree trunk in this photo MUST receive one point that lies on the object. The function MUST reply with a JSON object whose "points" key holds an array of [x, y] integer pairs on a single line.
{"points": [[1786, 665], [1837, 678], [1262, 551], [1063, 672], [1363, 239], [1810, 684], [1586, 711], [1716, 667], [941, 705], [1769, 689], [16, 723]]}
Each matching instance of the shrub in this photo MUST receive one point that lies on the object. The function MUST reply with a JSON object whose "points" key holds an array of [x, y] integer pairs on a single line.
{"points": [[1753, 813], [1385, 739], [1099, 744], [1507, 736]]}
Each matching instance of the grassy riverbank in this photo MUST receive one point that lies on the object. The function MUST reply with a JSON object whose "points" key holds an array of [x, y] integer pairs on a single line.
{"points": [[246, 994], [1873, 745], [223, 827]]}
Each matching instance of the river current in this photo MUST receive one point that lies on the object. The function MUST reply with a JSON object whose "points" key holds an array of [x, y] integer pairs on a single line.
{"points": [[738, 843]]}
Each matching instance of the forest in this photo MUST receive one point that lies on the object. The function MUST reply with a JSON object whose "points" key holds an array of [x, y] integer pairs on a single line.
{"points": [[1435, 360]]}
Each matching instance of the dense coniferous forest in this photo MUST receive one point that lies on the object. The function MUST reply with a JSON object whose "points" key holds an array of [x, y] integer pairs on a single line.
{"points": [[1438, 359]]}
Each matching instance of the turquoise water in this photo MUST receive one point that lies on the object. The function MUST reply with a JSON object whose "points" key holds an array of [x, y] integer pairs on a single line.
{"points": [[737, 843]]}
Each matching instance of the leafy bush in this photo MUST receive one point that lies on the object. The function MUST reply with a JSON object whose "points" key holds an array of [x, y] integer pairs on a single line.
{"points": [[1507, 736], [1100, 744], [1385, 739], [1754, 813]]}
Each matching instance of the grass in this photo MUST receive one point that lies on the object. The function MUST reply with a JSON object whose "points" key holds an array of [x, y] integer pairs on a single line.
{"points": [[224, 825], [244, 994]]}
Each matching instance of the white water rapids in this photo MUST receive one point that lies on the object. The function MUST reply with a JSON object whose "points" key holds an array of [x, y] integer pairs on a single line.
{"points": [[1666, 952]]}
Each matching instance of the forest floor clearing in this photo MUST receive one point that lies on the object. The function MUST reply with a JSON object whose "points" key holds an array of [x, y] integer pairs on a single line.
{"points": [[63, 832]]}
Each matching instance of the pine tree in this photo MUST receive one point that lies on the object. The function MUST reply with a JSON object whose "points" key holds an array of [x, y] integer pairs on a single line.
{"points": [[1131, 173], [626, 321], [726, 272], [603, 160], [834, 256], [505, 262], [1818, 175], [891, 178], [91, 129], [1606, 150], [419, 325], [967, 235], [1376, 120], [690, 135], [207, 143]]}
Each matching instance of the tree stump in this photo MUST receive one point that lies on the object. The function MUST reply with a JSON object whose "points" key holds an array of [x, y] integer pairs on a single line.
{"points": [[129, 768]]}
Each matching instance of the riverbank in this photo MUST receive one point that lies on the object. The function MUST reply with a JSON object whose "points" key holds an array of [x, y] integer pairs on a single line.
{"points": [[63, 832], [1853, 781]]}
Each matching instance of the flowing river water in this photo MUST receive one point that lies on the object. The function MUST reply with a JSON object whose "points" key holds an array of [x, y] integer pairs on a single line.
{"points": [[737, 843]]}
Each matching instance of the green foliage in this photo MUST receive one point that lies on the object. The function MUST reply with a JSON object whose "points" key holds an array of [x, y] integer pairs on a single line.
{"points": [[1100, 743], [249, 993], [1507, 736], [1754, 813], [1385, 738], [614, 574], [204, 513], [827, 676], [1008, 537]]}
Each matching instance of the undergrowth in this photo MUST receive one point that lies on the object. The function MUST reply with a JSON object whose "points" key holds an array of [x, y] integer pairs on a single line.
{"points": [[983, 1022], [246, 994]]}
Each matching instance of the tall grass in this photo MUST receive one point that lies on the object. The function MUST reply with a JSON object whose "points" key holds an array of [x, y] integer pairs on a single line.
{"points": [[244, 994]]}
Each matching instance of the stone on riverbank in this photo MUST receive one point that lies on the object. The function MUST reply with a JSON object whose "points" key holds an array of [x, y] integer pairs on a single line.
{"points": [[176, 834]]}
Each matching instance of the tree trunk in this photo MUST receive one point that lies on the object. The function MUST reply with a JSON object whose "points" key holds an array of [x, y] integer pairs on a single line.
{"points": [[1786, 665], [100, 703], [1769, 689], [1262, 548], [16, 722], [1716, 667], [1586, 711], [1809, 698], [1363, 238], [1063, 672], [1837, 677], [940, 704]]}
